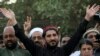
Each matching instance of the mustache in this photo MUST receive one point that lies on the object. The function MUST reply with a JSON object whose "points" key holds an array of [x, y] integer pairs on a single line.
{"points": [[37, 42], [9, 41], [53, 41]]}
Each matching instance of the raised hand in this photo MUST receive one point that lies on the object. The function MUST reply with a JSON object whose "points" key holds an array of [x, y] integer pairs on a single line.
{"points": [[91, 11], [8, 13], [27, 25]]}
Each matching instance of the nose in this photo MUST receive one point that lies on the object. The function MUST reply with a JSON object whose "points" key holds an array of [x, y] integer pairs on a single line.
{"points": [[36, 39], [94, 38], [52, 37], [8, 38], [86, 50]]}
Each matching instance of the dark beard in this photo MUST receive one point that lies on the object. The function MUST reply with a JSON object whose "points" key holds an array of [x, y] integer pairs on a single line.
{"points": [[51, 47], [12, 46]]}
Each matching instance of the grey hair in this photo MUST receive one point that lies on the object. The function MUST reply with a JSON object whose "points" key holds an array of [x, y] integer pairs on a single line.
{"points": [[7, 27]]}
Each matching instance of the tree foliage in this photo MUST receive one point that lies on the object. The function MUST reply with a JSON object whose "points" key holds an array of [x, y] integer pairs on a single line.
{"points": [[66, 14]]}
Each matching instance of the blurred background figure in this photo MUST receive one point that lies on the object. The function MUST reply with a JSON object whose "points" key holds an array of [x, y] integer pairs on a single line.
{"points": [[91, 35], [85, 47], [65, 40]]}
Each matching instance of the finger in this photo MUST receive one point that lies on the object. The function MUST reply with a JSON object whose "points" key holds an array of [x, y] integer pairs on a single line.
{"points": [[88, 7], [30, 19], [11, 12], [25, 22], [97, 8], [93, 6], [27, 18], [4, 11]]}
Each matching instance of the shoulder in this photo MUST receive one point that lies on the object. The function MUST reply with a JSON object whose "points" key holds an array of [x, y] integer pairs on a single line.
{"points": [[24, 51], [76, 53], [2, 50]]}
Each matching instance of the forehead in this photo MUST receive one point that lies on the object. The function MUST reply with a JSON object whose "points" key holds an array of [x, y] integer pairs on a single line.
{"points": [[91, 33], [86, 46], [51, 32], [37, 33], [9, 31]]}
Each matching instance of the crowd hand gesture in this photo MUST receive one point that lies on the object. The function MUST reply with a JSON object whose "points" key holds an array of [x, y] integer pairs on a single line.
{"points": [[91, 11], [9, 14], [27, 25]]}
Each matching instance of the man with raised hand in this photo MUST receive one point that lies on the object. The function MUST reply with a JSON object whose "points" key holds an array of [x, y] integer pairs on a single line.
{"points": [[56, 51]]}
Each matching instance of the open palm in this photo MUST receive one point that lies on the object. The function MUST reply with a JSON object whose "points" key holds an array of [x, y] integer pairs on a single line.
{"points": [[7, 13]]}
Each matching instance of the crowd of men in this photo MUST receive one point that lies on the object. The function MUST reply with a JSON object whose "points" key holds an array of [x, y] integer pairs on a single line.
{"points": [[47, 41]]}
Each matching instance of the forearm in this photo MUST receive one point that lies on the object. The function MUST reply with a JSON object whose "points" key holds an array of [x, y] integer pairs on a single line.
{"points": [[26, 41], [76, 37], [26, 33]]}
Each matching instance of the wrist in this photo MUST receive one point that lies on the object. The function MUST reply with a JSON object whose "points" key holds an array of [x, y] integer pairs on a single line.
{"points": [[14, 22], [87, 18], [26, 33]]}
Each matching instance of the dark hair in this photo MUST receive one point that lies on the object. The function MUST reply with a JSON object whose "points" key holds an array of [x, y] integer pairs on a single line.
{"points": [[85, 41], [44, 33]]}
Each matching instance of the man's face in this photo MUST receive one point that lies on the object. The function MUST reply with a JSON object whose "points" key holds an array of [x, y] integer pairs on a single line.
{"points": [[92, 36], [51, 38], [37, 38], [9, 38], [65, 40], [86, 50]]}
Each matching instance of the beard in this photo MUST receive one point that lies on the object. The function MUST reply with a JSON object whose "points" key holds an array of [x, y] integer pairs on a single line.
{"points": [[38, 43], [10, 45], [52, 44]]}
